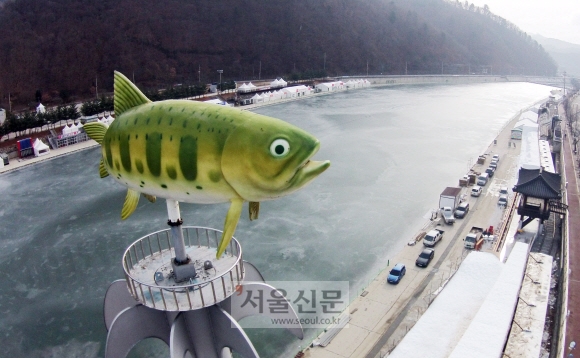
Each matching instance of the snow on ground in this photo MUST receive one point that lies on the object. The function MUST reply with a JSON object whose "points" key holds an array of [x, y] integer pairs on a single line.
{"points": [[439, 330]]}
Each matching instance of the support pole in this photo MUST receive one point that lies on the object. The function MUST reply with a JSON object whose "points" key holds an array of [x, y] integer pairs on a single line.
{"points": [[176, 232]]}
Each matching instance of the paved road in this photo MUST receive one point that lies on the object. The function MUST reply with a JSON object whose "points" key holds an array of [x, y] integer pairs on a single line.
{"points": [[572, 333]]}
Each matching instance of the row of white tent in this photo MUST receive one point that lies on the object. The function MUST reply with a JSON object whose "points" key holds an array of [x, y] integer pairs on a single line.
{"points": [[284, 93], [341, 85], [250, 87], [73, 129]]}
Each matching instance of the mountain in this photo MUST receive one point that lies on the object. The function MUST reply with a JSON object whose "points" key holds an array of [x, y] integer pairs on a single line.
{"points": [[566, 54], [67, 48]]}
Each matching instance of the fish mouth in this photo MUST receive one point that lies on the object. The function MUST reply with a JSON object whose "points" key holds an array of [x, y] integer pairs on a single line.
{"points": [[309, 170]]}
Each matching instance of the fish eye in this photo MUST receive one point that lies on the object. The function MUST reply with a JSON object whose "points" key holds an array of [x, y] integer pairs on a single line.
{"points": [[279, 148]]}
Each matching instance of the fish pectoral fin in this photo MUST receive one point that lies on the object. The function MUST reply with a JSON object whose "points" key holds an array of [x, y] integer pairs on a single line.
{"points": [[254, 209], [232, 219], [102, 170], [96, 131], [131, 201], [151, 198]]}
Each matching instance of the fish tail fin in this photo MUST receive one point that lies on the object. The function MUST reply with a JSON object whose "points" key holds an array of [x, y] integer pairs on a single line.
{"points": [[127, 95], [232, 219], [131, 201], [96, 131], [102, 170], [254, 209]]}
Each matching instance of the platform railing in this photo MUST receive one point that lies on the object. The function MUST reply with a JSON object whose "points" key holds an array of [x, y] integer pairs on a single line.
{"points": [[183, 296]]}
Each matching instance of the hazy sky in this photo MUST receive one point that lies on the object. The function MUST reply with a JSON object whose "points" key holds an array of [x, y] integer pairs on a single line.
{"points": [[558, 19]]}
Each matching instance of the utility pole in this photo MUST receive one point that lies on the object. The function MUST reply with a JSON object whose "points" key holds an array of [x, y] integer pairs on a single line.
{"points": [[220, 87], [564, 83], [199, 74], [97, 86]]}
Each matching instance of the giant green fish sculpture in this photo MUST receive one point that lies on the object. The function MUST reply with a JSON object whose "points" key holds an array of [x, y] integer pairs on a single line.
{"points": [[201, 153]]}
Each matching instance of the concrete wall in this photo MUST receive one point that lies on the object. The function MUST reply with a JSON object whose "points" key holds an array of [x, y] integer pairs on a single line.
{"points": [[457, 79]]}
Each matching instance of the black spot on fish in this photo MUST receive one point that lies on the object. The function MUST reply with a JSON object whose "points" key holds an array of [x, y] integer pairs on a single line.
{"points": [[126, 121], [119, 137], [188, 157], [139, 165], [136, 136], [171, 172], [141, 186], [171, 138], [125, 152], [199, 187], [215, 176], [146, 136], [135, 121], [198, 125], [182, 110], [220, 131], [187, 192], [164, 186], [159, 121], [231, 121], [108, 152], [153, 153], [148, 119], [170, 121], [170, 108], [142, 182], [184, 124]]}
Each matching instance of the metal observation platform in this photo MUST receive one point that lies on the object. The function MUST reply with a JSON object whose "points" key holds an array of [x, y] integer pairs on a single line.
{"points": [[151, 281], [175, 289]]}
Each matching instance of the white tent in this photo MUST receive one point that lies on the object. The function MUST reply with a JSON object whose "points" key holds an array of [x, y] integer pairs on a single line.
{"points": [[66, 130], [79, 126], [282, 83], [40, 108], [40, 148], [275, 84], [257, 98], [251, 86], [243, 88]]}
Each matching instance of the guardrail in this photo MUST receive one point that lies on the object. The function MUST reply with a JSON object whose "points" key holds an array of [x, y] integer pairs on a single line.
{"points": [[155, 249]]}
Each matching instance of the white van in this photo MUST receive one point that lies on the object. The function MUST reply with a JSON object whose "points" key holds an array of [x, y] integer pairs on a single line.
{"points": [[482, 179]]}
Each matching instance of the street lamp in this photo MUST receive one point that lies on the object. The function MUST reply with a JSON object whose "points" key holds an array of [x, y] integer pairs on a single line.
{"points": [[220, 72]]}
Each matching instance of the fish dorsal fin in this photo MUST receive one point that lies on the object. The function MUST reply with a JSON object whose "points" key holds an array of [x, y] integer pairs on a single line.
{"points": [[127, 95], [96, 131], [131, 201], [254, 209], [102, 170]]}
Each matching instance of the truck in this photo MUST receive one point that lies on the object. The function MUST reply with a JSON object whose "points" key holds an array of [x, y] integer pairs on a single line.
{"points": [[473, 237], [433, 237], [450, 197], [447, 215]]}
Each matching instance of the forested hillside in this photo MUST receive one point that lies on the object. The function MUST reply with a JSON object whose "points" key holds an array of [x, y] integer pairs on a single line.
{"points": [[62, 47]]}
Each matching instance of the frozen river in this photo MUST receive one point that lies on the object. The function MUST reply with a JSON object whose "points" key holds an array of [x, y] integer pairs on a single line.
{"points": [[392, 149]]}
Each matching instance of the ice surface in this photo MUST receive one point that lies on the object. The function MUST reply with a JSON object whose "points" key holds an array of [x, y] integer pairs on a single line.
{"points": [[393, 150]]}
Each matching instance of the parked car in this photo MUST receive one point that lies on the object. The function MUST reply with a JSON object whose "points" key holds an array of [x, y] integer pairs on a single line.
{"points": [[425, 257], [493, 165], [503, 200], [447, 214], [495, 157], [462, 210], [397, 273], [490, 171], [503, 190], [476, 190]]}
